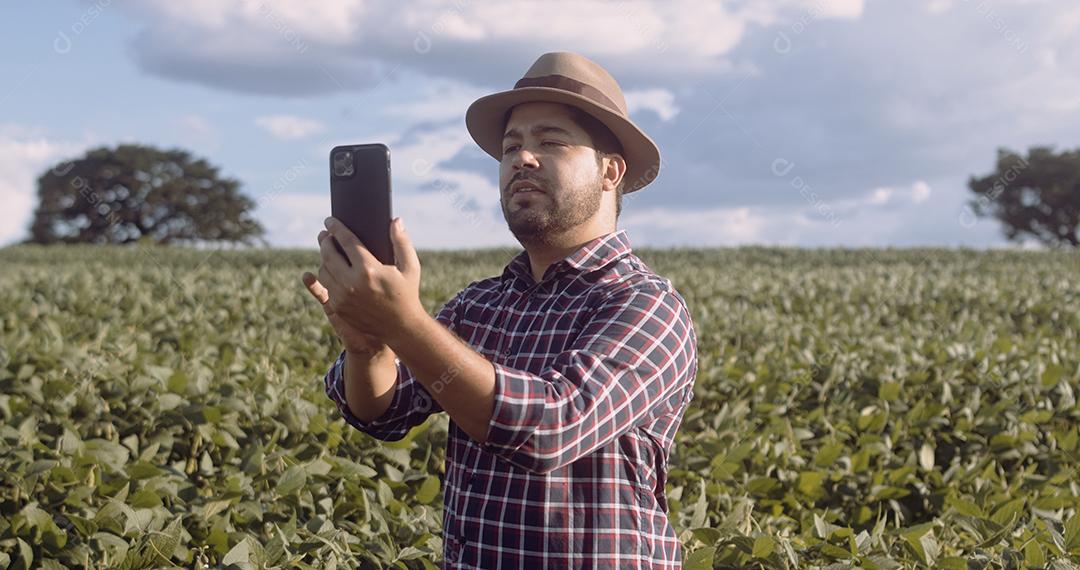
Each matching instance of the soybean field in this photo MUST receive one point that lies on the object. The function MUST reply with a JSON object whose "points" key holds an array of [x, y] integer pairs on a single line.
{"points": [[893, 408]]}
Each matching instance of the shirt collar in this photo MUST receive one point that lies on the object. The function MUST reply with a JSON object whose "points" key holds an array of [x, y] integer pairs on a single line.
{"points": [[592, 255]]}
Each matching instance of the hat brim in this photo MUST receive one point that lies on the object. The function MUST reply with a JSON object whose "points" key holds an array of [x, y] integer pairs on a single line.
{"points": [[484, 120]]}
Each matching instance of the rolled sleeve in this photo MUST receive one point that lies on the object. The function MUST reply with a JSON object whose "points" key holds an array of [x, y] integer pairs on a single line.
{"points": [[411, 403], [634, 360], [409, 407]]}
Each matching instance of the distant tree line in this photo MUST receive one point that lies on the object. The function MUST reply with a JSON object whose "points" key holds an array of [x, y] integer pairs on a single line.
{"points": [[134, 192], [1037, 195]]}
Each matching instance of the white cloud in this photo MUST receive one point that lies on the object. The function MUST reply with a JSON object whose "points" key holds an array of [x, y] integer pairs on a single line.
{"points": [[808, 10], [286, 127], [880, 196], [442, 207], [331, 20], [714, 226], [416, 162], [441, 101], [843, 223], [25, 153], [443, 220], [262, 45], [735, 226], [920, 192], [196, 125], [293, 219], [850, 9], [659, 101], [1066, 24], [440, 219], [938, 6], [197, 132]]}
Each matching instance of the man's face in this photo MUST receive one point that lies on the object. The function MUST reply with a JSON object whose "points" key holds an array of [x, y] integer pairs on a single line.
{"points": [[545, 147]]}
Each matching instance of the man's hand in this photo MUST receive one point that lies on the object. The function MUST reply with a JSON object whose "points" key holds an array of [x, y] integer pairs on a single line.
{"points": [[369, 298], [355, 341]]}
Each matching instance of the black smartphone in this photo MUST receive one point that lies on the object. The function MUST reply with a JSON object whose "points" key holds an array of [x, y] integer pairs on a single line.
{"points": [[360, 195]]}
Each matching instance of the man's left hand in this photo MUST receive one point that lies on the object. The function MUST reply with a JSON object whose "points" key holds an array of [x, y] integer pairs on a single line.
{"points": [[380, 300]]}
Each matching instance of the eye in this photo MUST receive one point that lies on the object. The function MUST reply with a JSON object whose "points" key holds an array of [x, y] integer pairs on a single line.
{"points": [[513, 147]]}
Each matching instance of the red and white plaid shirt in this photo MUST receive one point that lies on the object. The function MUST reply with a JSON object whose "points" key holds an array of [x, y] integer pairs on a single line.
{"points": [[594, 368]]}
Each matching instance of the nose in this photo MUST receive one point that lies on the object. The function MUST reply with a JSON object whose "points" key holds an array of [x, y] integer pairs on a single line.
{"points": [[524, 159]]}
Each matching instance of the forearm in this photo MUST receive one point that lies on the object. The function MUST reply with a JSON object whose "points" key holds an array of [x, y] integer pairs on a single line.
{"points": [[369, 383], [461, 380]]}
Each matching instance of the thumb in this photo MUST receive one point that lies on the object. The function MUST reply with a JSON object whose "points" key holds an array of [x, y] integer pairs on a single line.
{"points": [[404, 254]]}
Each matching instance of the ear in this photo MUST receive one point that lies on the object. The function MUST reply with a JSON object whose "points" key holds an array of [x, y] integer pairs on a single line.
{"points": [[613, 168]]}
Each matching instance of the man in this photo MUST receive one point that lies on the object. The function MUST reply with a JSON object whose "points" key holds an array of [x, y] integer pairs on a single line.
{"points": [[565, 377]]}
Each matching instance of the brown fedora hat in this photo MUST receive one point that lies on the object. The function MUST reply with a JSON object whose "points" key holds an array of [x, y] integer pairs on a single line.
{"points": [[564, 77]]}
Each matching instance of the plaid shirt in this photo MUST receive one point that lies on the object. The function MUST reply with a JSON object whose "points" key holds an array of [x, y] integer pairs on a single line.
{"points": [[594, 367]]}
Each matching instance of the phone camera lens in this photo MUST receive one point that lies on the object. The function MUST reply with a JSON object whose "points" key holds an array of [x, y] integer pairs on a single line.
{"points": [[343, 163]]}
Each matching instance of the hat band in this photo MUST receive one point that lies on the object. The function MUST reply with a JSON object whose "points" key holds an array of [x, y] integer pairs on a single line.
{"points": [[567, 84]]}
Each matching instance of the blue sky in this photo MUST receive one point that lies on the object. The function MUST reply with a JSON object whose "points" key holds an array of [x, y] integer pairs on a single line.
{"points": [[789, 122]]}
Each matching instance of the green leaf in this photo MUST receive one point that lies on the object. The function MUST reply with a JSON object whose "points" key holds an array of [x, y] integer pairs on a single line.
{"points": [[1052, 375], [701, 509], [764, 546], [1005, 513], [1072, 533], [810, 483], [1034, 557], [42, 527], [239, 555], [824, 529], [26, 554], [953, 563], [707, 535], [828, 454], [214, 507], [429, 489], [965, 507], [889, 391], [700, 559], [292, 480], [156, 547], [108, 453]]}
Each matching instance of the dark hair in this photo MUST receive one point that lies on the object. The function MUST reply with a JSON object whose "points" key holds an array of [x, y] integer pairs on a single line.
{"points": [[603, 140]]}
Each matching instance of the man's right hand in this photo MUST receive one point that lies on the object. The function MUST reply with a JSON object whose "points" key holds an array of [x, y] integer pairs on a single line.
{"points": [[355, 342]]}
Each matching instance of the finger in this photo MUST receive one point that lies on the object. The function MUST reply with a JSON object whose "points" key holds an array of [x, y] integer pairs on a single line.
{"points": [[348, 240], [367, 259], [357, 252], [316, 288], [330, 283], [322, 235], [404, 253], [332, 260]]}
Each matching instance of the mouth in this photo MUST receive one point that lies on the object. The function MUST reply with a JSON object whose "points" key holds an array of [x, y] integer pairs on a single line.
{"points": [[525, 187]]}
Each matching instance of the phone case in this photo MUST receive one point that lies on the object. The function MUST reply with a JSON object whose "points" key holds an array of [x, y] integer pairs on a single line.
{"points": [[361, 199]]}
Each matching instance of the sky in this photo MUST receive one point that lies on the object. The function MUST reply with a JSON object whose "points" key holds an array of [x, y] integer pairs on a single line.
{"points": [[809, 123]]}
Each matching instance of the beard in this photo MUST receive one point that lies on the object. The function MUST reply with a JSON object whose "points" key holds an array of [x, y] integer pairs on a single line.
{"points": [[541, 218]]}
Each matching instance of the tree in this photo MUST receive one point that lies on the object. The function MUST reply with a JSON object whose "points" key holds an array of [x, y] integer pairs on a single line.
{"points": [[130, 192], [1038, 195]]}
